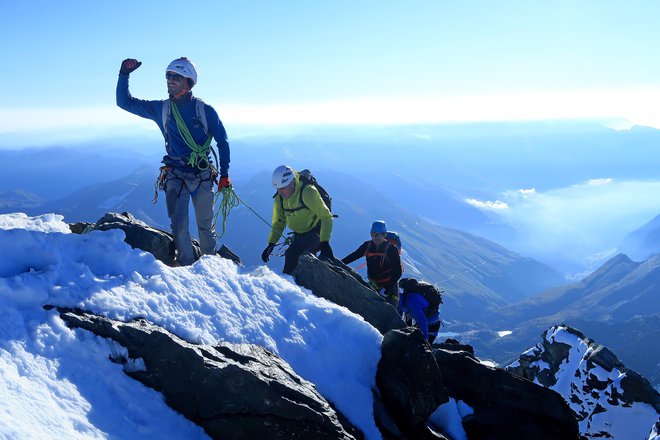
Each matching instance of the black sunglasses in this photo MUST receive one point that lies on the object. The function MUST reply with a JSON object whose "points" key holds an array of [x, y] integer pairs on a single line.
{"points": [[174, 77], [378, 234]]}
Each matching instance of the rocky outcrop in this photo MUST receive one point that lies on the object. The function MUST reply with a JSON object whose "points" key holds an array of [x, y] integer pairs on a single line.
{"points": [[336, 282], [142, 236], [409, 381], [233, 391], [504, 406], [592, 380]]}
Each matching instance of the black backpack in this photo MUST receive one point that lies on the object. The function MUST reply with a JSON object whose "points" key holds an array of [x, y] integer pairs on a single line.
{"points": [[430, 293], [307, 178]]}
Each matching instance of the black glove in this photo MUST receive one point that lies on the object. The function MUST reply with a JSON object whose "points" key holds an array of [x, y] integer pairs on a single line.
{"points": [[129, 65], [265, 255], [326, 250]]}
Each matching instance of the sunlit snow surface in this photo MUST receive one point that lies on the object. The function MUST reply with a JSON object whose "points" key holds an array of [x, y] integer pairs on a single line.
{"points": [[59, 383]]}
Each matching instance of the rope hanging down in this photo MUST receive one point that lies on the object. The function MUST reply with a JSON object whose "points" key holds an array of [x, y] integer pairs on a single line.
{"points": [[199, 156], [230, 200]]}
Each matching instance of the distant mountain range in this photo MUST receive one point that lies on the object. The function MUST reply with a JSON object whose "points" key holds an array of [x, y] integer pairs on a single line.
{"points": [[620, 290], [430, 170], [644, 241], [619, 304], [18, 199], [476, 274]]}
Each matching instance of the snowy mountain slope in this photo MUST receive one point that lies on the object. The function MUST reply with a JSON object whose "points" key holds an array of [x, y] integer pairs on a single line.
{"points": [[609, 400], [58, 383]]}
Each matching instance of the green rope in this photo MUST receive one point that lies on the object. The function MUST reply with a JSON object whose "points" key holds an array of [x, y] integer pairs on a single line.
{"points": [[199, 156], [255, 212], [229, 200]]}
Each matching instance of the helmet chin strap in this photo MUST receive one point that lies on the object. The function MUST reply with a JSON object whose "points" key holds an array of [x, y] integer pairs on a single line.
{"points": [[182, 93]]}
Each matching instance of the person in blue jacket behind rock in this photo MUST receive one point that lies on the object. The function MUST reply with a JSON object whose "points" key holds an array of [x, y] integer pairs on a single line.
{"points": [[419, 302], [188, 126]]}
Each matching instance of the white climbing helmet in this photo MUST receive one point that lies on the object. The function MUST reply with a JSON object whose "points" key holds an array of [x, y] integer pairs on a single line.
{"points": [[184, 67], [282, 176]]}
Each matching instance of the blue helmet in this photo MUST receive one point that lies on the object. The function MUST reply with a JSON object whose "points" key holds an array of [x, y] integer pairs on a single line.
{"points": [[378, 226]]}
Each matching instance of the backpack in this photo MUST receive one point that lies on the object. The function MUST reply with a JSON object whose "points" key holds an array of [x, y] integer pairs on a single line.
{"points": [[307, 178], [430, 293], [394, 239]]}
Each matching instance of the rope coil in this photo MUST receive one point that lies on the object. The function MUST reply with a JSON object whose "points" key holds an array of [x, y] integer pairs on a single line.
{"points": [[199, 156]]}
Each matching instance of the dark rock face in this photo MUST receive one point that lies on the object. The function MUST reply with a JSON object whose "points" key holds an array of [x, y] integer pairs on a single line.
{"points": [[336, 282], [505, 406], [233, 391], [409, 380], [596, 380], [142, 236]]}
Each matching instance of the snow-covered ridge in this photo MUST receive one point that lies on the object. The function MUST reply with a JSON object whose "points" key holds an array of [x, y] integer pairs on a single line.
{"points": [[609, 400], [57, 383]]}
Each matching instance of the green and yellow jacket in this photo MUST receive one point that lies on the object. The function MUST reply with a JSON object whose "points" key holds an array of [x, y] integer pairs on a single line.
{"points": [[300, 220]]}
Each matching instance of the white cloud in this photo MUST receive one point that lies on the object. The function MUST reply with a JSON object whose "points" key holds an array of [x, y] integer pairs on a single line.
{"points": [[603, 181], [497, 205], [426, 137], [527, 192], [583, 220]]}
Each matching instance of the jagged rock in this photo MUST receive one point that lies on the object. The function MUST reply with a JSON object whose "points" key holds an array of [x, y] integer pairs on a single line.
{"points": [[505, 406], [655, 431], [334, 281], [233, 391], [454, 345], [591, 379], [409, 380], [142, 236], [139, 235], [81, 227], [227, 253]]}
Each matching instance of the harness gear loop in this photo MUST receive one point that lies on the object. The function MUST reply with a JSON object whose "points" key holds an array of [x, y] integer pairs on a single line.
{"points": [[159, 185], [284, 244], [199, 156]]}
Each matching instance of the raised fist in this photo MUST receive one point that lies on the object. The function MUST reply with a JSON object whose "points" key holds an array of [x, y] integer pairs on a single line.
{"points": [[129, 65]]}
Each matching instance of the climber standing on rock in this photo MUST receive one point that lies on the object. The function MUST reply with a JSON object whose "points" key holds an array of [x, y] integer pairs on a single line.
{"points": [[300, 207], [188, 126]]}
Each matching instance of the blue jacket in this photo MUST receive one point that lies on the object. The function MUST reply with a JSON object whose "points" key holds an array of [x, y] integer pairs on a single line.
{"points": [[418, 307], [177, 150]]}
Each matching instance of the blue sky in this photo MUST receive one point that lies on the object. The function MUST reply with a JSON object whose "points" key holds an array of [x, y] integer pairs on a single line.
{"points": [[293, 62]]}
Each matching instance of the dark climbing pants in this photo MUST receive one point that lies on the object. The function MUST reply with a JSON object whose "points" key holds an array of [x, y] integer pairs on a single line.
{"points": [[433, 331], [305, 242]]}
